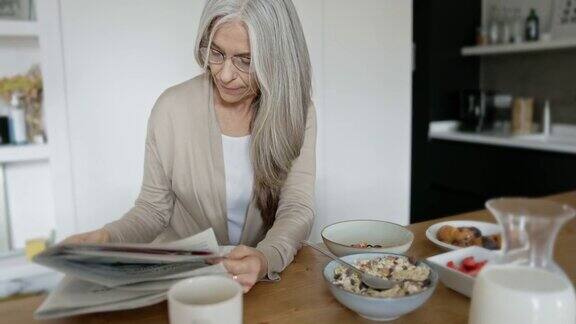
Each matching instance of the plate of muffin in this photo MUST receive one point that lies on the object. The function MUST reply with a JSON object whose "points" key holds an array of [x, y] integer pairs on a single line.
{"points": [[452, 235]]}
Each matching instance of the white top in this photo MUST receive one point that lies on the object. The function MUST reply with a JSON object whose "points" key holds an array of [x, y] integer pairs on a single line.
{"points": [[239, 181]]}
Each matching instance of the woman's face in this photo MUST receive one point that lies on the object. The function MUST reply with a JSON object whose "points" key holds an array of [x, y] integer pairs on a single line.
{"points": [[234, 85]]}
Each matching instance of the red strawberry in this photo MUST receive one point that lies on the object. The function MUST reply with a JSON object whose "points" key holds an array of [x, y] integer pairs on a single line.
{"points": [[451, 264], [468, 264]]}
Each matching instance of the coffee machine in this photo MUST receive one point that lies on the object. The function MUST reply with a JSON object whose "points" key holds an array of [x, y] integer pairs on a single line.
{"points": [[476, 110]]}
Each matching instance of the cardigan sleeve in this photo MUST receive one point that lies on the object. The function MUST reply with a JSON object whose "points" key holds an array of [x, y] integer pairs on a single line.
{"points": [[154, 206], [295, 214]]}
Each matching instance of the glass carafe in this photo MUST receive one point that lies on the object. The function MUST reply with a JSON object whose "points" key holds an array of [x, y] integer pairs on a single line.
{"points": [[524, 284]]}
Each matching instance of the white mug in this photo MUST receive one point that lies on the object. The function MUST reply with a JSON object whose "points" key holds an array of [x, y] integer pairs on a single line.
{"points": [[205, 300]]}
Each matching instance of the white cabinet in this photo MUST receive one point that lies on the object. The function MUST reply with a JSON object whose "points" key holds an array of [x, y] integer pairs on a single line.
{"points": [[26, 177], [27, 209]]}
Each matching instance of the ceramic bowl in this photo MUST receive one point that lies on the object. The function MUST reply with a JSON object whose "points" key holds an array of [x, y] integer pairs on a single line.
{"points": [[375, 308], [485, 228], [455, 279], [393, 238]]}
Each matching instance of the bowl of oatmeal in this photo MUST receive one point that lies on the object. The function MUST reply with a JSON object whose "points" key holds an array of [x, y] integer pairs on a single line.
{"points": [[416, 283], [362, 236]]}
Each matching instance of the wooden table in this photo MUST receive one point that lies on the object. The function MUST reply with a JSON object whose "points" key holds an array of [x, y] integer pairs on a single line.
{"points": [[303, 297]]}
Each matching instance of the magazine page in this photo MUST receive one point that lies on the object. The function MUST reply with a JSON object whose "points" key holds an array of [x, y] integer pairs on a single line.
{"points": [[114, 269], [107, 286], [194, 248], [110, 275], [73, 297]]}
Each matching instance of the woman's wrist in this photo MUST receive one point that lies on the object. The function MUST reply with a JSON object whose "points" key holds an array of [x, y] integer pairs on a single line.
{"points": [[263, 265]]}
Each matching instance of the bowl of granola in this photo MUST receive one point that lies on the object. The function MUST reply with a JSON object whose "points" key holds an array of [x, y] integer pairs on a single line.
{"points": [[416, 282], [362, 236]]}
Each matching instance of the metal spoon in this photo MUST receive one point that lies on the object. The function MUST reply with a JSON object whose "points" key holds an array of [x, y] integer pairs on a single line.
{"points": [[368, 279]]}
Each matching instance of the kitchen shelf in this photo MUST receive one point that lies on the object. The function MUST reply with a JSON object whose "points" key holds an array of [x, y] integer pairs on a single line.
{"points": [[23, 153], [562, 140], [526, 47], [15, 28]]}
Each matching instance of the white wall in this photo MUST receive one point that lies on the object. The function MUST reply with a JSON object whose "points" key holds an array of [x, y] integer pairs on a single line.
{"points": [[312, 18], [367, 109], [119, 57]]}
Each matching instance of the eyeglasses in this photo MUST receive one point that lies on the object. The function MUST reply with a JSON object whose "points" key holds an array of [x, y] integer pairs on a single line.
{"points": [[214, 56]]}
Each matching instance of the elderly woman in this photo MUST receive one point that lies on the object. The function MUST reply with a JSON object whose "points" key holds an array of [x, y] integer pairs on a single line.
{"points": [[234, 148]]}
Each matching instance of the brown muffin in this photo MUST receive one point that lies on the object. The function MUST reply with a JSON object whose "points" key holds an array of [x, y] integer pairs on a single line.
{"points": [[447, 234]]}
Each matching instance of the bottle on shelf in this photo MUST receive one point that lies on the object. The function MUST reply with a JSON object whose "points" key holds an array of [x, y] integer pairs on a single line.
{"points": [[532, 27], [517, 36], [494, 26], [506, 33], [546, 122], [17, 120], [4, 123], [505, 26], [481, 36]]}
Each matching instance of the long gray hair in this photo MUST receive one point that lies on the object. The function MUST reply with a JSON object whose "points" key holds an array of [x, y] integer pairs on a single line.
{"points": [[281, 65]]}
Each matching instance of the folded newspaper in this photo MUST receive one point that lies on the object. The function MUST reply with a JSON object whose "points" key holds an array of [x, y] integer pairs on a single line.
{"points": [[109, 277]]}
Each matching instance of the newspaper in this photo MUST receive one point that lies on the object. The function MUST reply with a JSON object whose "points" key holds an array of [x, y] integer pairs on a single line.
{"points": [[109, 277]]}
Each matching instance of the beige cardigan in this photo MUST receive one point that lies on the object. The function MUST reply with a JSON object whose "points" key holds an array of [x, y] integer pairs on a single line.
{"points": [[184, 187]]}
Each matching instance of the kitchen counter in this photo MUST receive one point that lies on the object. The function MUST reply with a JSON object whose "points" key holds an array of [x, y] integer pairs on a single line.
{"points": [[562, 139]]}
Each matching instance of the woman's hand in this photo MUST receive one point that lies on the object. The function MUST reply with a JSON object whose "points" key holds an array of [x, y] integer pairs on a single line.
{"points": [[247, 265], [97, 236]]}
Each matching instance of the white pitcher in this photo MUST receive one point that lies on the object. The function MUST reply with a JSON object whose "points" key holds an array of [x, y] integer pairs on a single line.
{"points": [[525, 285]]}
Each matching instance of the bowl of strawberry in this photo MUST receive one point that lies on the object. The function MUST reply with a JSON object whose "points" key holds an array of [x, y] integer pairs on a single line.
{"points": [[458, 269], [468, 265]]}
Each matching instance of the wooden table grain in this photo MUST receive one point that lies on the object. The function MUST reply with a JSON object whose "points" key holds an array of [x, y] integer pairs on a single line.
{"points": [[303, 297]]}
